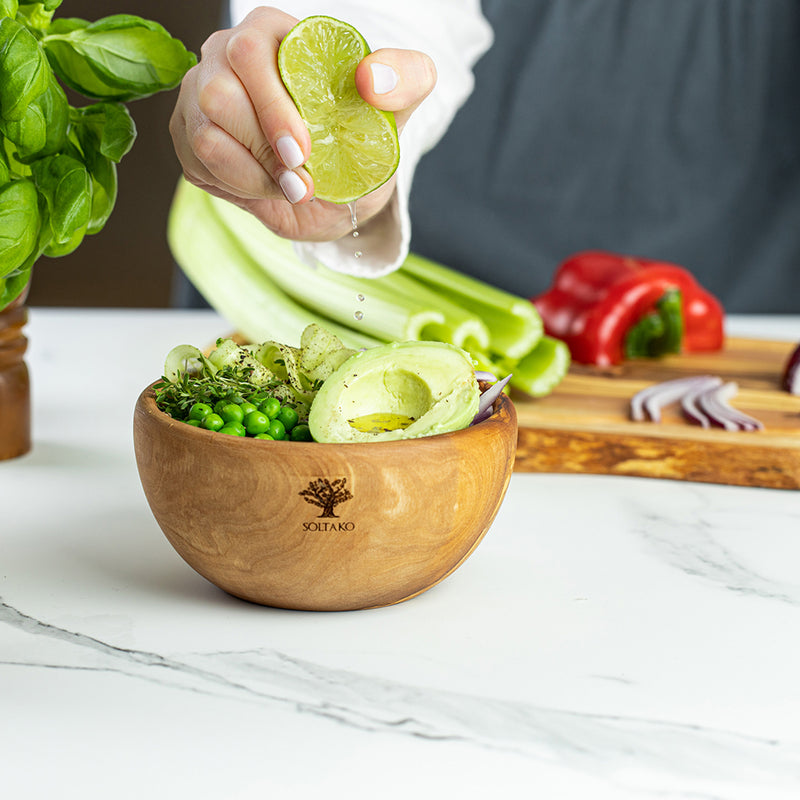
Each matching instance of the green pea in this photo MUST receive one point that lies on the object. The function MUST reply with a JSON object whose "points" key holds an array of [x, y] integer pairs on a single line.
{"points": [[271, 407], [232, 413], [247, 407], [256, 422], [288, 416], [199, 411], [212, 422], [263, 436], [276, 429], [301, 433], [233, 429]]}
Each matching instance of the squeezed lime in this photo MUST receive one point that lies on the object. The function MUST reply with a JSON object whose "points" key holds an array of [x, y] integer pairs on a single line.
{"points": [[354, 146]]}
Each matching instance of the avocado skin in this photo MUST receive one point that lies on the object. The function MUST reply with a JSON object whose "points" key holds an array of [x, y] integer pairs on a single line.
{"points": [[431, 382]]}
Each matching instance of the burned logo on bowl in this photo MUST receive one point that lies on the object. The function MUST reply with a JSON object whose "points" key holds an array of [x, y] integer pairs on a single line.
{"points": [[326, 494]]}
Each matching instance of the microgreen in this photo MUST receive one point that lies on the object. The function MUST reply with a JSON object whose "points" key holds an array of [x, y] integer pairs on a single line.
{"points": [[228, 384]]}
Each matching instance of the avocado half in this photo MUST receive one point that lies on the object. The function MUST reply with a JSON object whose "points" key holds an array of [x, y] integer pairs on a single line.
{"points": [[401, 390]]}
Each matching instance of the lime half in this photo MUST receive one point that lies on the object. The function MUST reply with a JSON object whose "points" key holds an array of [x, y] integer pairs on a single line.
{"points": [[354, 146]]}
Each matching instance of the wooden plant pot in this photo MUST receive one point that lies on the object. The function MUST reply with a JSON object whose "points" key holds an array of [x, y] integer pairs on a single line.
{"points": [[15, 390]]}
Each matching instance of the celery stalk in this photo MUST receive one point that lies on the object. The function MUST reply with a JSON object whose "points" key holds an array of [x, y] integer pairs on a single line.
{"points": [[514, 323], [539, 372], [232, 283], [256, 280], [394, 308]]}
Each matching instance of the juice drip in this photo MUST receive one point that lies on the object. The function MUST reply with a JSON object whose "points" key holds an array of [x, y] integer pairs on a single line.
{"points": [[353, 218], [359, 315], [354, 223]]}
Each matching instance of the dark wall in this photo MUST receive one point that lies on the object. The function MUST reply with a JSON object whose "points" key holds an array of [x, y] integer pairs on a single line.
{"points": [[128, 263]]}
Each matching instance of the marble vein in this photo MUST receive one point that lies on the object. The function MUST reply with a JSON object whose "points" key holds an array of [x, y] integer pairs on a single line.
{"points": [[695, 544], [616, 747]]}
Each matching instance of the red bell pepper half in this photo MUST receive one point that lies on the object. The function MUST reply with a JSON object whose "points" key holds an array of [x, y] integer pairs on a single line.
{"points": [[607, 307]]}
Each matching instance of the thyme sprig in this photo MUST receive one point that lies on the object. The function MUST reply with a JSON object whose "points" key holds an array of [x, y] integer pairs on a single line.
{"points": [[229, 384]]}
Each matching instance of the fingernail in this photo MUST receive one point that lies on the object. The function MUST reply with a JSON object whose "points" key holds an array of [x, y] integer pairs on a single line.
{"points": [[384, 78], [289, 152], [292, 186]]}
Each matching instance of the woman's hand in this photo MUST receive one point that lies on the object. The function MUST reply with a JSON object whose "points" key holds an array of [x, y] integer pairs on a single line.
{"points": [[238, 134]]}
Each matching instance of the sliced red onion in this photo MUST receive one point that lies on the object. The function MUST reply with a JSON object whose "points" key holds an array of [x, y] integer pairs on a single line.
{"points": [[480, 417], [690, 406], [647, 404], [791, 373], [704, 401], [487, 398], [714, 404], [487, 377]]}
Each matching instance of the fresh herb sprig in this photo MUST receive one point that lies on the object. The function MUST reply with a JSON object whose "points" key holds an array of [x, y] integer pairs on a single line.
{"points": [[228, 385]]}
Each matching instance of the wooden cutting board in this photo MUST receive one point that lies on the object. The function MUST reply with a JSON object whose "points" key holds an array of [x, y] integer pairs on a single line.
{"points": [[584, 425]]}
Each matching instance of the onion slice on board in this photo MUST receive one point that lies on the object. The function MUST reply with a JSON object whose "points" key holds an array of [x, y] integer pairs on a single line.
{"points": [[714, 404], [690, 405], [791, 373], [647, 404], [704, 401]]}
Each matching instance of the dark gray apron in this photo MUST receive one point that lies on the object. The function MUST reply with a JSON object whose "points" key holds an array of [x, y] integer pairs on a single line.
{"points": [[663, 128]]}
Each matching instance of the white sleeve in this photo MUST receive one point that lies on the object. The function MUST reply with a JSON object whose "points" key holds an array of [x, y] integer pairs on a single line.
{"points": [[454, 34]]}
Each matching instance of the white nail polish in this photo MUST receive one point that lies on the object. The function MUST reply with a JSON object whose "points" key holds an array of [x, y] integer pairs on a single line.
{"points": [[292, 186], [289, 152], [384, 78]]}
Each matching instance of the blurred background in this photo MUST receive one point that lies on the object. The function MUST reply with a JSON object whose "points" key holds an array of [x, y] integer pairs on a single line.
{"points": [[107, 270]]}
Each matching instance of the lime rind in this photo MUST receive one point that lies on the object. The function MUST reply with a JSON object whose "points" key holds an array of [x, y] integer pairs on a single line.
{"points": [[354, 146]]}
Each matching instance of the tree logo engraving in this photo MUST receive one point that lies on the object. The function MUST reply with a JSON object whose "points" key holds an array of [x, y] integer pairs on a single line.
{"points": [[326, 494]]}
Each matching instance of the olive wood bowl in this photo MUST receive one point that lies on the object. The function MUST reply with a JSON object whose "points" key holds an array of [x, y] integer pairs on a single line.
{"points": [[312, 526]]}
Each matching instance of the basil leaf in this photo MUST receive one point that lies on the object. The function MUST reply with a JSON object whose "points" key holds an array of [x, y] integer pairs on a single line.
{"points": [[121, 57], [104, 192], [16, 168], [70, 66], [8, 8], [12, 286], [66, 25], [103, 172], [19, 224], [29, 132], [56, 249], [109, 126], [24, 72], [5, 169], [55, 107], [66, 186], [42, 130], [35, 16], [39, 13]]}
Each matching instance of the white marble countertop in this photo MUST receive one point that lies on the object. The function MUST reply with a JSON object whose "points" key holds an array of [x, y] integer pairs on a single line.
{"points": [[611, 637]]}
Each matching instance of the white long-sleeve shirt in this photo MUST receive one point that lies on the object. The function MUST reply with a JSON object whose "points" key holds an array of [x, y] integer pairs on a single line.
{"points": [[668, 129], [454, 34]]}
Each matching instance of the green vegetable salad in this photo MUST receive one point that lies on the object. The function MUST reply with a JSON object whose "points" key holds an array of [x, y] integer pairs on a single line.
{"points": [[263, 391]]}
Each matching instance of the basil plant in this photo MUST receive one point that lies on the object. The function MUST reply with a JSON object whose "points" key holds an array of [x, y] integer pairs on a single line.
{"points": [[58, 173]]}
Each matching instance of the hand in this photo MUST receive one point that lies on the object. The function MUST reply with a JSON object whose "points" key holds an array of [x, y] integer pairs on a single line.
{"points": [[239, 136]]}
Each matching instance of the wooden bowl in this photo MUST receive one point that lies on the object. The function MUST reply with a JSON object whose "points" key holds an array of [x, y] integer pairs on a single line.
{"points": [[313, 526]]}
